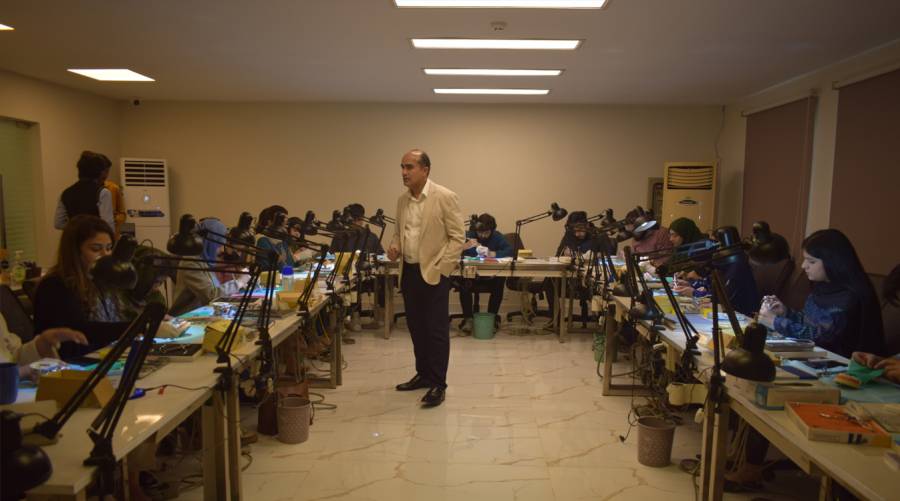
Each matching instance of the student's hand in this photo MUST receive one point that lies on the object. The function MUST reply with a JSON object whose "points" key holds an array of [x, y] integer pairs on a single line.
{"points": [[766, 318], [891, 368], [393, 253], [868, 359], [771, 304], [64, 334], [47, 341], [470, 244]]}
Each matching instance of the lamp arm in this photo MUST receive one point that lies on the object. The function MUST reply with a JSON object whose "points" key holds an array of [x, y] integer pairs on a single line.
{"points": [[536, 217], [721, 296], [103, 427], [50, 428]]}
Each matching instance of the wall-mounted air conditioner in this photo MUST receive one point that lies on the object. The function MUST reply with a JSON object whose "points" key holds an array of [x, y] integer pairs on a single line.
{"points": [[145, 186], [690, 191]]}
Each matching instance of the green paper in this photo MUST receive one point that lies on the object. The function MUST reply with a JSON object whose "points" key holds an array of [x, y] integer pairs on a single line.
{"points": [[862, 373]]}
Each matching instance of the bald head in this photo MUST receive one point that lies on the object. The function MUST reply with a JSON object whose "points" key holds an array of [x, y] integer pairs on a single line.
{"points": [[415, 166]]}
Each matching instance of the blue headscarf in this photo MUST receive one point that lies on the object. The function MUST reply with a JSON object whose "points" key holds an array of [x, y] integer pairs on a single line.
{"points": [[211, 244]]}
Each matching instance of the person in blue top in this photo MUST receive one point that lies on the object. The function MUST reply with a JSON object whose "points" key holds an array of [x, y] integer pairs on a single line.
{"points": [[842, 313], [484, 241], [266, 239]]}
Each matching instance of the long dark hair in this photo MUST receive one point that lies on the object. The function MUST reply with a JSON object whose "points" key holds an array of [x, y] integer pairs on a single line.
{"points": [[844, 269], [69, 266]]}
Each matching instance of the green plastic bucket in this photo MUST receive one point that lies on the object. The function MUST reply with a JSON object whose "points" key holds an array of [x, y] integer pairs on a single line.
{"points": [[483, 325]]}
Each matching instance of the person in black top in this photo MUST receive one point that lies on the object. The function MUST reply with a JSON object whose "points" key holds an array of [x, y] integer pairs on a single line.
{"points": [[484, 241], [87, 195], [577, 239], [68, 297]]}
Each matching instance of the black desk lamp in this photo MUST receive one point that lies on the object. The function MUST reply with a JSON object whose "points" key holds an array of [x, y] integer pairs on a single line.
{"points": [[116, 271], [189, 242], [556, 212]]}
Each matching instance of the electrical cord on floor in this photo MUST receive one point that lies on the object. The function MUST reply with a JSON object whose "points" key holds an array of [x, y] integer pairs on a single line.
{"points": [[320, 404]]}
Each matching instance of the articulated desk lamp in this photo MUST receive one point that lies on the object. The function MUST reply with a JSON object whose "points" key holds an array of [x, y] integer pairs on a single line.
{"points": [[381, 220], [556, 212], [306, 227], [187, 243], [27, 466]]}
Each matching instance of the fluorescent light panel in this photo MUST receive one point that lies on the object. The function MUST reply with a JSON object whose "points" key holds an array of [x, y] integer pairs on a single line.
{"points": [[511, 92], [494, 43], [4, 27], [113, 75], [491, 72], [505, 4]]}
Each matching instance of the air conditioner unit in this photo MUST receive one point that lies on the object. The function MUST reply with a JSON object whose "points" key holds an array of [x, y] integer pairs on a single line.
{"points": [[690, 191], [145, 187]]}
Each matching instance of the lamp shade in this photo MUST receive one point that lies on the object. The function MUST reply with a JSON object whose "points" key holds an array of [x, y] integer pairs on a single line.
{"points": [[378, 218], [336, 223], [24, 466], [116, 270], [750, 361], [187, 242], [557, 212]]}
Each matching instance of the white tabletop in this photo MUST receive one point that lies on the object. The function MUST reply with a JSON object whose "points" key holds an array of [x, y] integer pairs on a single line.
{"points": [[147, 415], [859, 467]]}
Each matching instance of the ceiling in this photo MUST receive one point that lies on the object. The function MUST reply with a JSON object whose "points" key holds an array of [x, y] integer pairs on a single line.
{"points": [[634, 51]]}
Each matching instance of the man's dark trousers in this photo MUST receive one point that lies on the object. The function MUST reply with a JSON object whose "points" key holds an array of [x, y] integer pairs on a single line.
{"points": [[427, 315]]}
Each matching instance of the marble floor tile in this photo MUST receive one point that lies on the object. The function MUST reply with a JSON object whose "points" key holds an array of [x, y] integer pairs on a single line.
{"points": [[524, 420]]}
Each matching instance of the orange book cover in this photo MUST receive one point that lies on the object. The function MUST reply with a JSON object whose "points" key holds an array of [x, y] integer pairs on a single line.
{"points": [[832, 423]]}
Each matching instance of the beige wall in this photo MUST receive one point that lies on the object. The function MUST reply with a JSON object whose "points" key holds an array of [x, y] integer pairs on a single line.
{"points": [[820, 81], [510, 160], [69, 122]]}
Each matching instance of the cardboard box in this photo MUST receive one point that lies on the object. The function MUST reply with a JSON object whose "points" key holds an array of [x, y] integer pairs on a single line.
{"points": [[61, 385]]}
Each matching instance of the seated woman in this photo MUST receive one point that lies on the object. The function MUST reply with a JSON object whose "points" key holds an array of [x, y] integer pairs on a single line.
{"points": [[736, 275], [683, 232], [68, 297], [199, 285], [842, 313], [282, 250]]}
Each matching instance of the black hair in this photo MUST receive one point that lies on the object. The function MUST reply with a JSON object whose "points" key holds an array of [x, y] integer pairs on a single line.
{"points": [[485, 222], [890, 291], [843, 267], [267, 215], [357, 211], [91, 165]]}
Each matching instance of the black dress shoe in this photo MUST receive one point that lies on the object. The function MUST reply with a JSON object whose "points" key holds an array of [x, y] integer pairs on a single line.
{"points": [[413, 384], [434, 397]]}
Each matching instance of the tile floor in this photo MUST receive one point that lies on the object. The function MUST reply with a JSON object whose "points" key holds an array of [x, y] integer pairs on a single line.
{"points": [[524, 420]]}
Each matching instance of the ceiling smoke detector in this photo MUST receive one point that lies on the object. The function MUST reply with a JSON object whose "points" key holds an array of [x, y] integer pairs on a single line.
{"points": [[498, 26]]}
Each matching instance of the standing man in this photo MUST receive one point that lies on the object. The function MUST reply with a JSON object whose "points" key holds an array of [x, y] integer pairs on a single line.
{"points": [[429, 237], [87, 195]]}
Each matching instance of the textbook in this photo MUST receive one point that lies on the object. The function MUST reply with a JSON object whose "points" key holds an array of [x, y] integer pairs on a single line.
{"points": [[832, 423]]}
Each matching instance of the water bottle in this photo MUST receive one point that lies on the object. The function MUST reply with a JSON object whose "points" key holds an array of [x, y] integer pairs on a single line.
{"points": [[287, 279], [17, 270]]}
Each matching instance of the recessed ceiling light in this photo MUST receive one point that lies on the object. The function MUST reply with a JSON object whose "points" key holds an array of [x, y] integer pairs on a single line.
{"points": [[494, 43], [513, 92], [491, 72], [500, 4], [113, 75], [4, 27]]}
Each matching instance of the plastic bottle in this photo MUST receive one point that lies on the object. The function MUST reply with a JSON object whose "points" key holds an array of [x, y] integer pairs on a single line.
{"points": [[17, 270], [287, 279]]}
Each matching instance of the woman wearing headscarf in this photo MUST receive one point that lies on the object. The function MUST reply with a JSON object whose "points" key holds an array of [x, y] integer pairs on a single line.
{"points": [[199, 285]]}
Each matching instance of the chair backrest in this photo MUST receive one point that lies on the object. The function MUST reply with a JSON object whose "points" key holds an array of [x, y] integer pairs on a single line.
{"points": [[14, 313], [771, 278], [514, 241]]}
